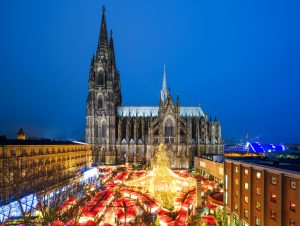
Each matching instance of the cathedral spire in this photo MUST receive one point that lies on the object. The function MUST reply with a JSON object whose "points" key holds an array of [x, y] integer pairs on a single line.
{"points": [[112, 50], [164, 79], [178, 101], [93, 61], [164, 90], [103, 43]]}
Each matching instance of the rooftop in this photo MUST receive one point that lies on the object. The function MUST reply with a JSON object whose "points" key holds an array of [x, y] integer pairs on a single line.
{"points": [[4, 141], [284, 164]]}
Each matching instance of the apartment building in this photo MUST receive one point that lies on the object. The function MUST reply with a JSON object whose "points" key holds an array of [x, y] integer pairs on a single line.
{"points": [[261, 193]]}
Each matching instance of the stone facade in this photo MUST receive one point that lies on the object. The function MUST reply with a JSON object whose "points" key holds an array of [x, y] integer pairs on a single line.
{"points": [[126, 134], [29, 166]]}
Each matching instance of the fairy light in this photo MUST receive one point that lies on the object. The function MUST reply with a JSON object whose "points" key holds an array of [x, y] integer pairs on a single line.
{"points": [[161, 181]]}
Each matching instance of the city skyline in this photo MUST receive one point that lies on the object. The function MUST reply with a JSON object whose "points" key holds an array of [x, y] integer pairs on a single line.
{"points": [[47, 67]]}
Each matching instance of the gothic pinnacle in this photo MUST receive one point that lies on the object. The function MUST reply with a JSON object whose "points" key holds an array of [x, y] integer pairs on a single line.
{"points": [[103, 41], [93, 60], [164, 90], [164, 79], [178, 100], [112, 50]]}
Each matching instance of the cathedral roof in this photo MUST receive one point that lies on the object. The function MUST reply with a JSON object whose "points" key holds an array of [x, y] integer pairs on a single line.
{"points": [[126, 111], [141, 111], [191, 111]]}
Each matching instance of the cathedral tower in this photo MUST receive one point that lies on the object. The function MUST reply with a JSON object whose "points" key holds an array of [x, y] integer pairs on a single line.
{"points": [[130, 134], [104, 95]]}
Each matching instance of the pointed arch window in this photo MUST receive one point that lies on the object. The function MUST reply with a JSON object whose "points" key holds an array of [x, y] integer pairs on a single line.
{"points": [[169, 131], [140, 131], [104, 130], [101, 79], [96, 131], [100, 102]]}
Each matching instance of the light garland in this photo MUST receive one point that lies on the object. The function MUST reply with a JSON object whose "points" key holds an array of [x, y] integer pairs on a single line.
{"points": [[161, 181]]}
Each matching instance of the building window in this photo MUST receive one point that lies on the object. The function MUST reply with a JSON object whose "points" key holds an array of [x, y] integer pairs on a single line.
{"points": [[246, 199], [169, 131], [257, 222], [24, 153], [11, 175], [258, 191], [292, 223], [13, 152], [293, 184], [100, 102], [246, 186], [293, 207], [258, 175], [274, 180], [246, 171], [273, 215], [246, 214], [273, 197], [257, 205], [236, 207], [236, 169], [104, 130], [236, 181], [236, 193]]}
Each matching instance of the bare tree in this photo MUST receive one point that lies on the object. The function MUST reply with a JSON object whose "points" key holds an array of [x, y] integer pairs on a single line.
{"points": [[36, 182], [18, 184], [50, 207]]}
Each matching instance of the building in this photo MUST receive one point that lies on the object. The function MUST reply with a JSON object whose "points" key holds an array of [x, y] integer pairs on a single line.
{"points": [[261, 192], [210, 167], [129, 134], [29, 166]]}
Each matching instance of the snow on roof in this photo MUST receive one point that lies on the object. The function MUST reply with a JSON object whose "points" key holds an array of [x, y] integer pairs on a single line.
{"points": [[126, 111]]}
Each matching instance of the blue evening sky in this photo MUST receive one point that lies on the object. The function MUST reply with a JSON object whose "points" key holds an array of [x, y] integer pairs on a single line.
{"points": [[239, 59]]}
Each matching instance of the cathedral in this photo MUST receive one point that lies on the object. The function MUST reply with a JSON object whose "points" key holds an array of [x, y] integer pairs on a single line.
{"points": [[130, 135]]}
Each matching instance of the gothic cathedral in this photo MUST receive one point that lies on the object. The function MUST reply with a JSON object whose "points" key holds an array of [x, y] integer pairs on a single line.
{"points": [[122, 134]]}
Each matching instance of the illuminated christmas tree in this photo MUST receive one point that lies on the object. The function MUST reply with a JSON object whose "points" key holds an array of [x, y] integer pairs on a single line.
{"points": [[163, 184], [161, 181]]}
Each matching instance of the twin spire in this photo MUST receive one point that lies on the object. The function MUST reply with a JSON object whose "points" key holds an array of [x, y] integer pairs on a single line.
{"points": [[105, 48]]}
